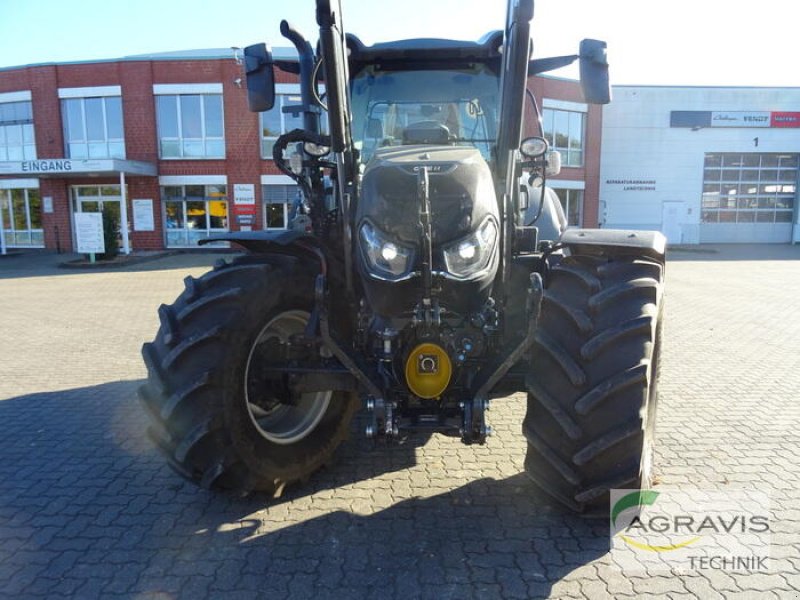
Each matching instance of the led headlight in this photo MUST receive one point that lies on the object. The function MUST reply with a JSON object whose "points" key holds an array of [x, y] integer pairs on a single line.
{"points": [[316, 149], [473, 253], [386, 258]]}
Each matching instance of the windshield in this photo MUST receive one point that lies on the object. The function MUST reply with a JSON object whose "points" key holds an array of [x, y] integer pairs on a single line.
{"points": [[456, 105]]}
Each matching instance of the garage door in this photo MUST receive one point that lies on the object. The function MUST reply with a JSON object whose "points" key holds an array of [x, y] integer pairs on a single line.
{"points": [[748, 198]]}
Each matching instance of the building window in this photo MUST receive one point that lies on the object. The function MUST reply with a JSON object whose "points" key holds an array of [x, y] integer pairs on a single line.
{"points": [[564, 131], [572, 203], [194, 212], [16, 131], [275, 122], [190, 126], [93, 127], [279, 201], [749, 188], [22, 217]]}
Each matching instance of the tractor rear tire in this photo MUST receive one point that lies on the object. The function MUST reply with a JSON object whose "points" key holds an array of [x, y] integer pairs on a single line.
{"points": [[592, 380], [214, 428]]}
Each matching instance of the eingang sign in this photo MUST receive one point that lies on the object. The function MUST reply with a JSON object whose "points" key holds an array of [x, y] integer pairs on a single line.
{"points": [[46, 165], [72, 166]]}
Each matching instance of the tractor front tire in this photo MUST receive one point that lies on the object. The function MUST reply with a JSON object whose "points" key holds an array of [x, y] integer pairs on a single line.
{"points": [[592, 380], [210, 416]]}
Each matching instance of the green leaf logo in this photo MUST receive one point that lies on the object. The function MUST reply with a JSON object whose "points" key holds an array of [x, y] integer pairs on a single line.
{"points": [[637, 498], [642, 498]]}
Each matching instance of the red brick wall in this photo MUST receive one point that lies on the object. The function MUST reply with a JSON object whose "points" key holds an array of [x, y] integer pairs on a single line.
{"points": [[139, 111], [57, 225], [242, 163], [570, 91]]}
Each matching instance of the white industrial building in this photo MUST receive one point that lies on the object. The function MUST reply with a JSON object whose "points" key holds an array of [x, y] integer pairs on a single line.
{"points": [[702, 165]]}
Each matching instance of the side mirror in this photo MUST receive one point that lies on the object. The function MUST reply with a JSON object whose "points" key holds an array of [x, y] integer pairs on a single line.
{"points": [[260, 77], [594, 72]]}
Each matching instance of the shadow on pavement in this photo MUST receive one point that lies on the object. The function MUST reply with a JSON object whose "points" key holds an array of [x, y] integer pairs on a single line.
{"points": [[88, 509]]}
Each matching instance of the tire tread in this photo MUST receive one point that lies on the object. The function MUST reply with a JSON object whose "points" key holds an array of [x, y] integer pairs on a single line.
{"points": [[184, 396], [590, 358]]}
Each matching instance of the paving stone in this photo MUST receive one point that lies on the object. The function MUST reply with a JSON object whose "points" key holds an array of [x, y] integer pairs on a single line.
{"points": [[89, 509]]}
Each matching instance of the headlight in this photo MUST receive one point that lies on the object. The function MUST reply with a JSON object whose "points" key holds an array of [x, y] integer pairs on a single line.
{"points": [[316, 149], [473, 253], [385, 257]]}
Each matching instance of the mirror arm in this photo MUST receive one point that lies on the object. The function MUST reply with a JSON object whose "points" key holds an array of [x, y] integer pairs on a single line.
{"points": [[288, 66], [543, 65]]}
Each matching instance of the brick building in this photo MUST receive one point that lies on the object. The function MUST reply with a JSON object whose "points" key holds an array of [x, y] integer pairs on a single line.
{"points": [[166, 142]]}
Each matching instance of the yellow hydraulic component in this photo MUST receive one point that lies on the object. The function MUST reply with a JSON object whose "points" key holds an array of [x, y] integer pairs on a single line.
{"points": [[428, 371]]}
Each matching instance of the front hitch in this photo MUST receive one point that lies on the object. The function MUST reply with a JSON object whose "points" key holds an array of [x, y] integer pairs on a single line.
{"points": [[474, 429]]}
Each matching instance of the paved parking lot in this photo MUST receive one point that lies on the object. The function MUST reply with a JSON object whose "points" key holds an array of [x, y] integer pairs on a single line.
{"points": [[88, 509]]}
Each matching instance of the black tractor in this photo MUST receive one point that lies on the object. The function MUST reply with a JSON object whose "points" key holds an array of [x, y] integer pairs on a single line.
{"points": [[426, 271]]}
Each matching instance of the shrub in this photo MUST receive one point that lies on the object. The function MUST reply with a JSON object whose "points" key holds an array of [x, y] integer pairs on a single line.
{"points": [[110, 228]]}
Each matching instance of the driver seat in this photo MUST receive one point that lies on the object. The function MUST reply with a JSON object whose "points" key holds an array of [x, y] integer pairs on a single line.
{"points": [[426, 132]]}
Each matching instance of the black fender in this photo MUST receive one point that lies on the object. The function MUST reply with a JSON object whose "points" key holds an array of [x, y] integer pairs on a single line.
{"points": [[615, 242], [287, 241]]}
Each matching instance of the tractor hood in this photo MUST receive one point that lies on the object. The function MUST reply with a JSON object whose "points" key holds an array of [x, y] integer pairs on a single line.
{"points": [[461, 192], [464, 231]]}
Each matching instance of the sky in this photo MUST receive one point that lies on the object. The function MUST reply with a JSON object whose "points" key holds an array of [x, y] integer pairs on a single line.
{"points": [[668, 42]]}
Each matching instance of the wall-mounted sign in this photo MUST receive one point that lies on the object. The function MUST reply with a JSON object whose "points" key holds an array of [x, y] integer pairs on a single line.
{"points": [[89, 233], [633, 185], [740, 119], [75, 166], [143, 214], [785, 119], [244, 193], [245, 214], [244, 204], [47, 204], [46, 165], [698, 119]]}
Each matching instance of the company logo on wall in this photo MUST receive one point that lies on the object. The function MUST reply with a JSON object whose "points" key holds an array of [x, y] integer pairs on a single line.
{"points": [[707, 118]]}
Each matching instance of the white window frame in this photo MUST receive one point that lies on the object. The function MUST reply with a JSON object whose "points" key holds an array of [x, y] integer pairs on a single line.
{"points": [[549, 104], [116, 197], [282, 90], [267, 180], [165, 180], [186, 89], [285, 218], [571, 187], [736, 178], [18, 96], [209, 231], [86, 142], [7, 212], [180, 91], [98, 91], [28, 149]]}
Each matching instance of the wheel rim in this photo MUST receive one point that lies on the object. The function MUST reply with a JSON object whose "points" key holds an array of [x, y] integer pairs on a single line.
{"points": [[282, 423]]}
